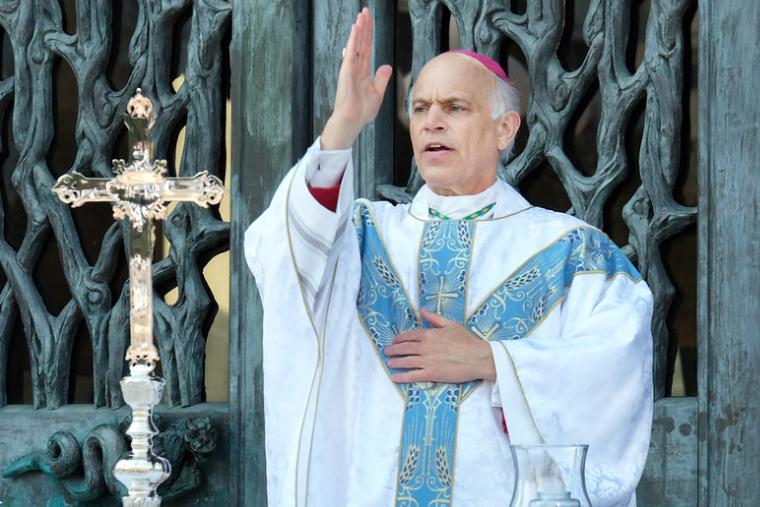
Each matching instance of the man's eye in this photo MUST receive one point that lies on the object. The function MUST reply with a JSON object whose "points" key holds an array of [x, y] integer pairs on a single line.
{"points": [[455, 108], [418, 109]]}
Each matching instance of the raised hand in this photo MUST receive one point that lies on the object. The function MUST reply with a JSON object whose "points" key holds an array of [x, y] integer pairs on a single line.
{"points": [[447, 352], [358, 95]]}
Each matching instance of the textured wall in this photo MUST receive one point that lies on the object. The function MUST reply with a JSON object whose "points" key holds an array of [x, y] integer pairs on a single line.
{"points": [[729, 319]]}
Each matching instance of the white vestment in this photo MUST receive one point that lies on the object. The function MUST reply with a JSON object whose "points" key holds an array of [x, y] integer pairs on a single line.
{"points": [[333, 416]]}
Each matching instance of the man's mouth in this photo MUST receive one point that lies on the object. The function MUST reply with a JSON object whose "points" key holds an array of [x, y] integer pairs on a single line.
{"points": [[436, 147]]}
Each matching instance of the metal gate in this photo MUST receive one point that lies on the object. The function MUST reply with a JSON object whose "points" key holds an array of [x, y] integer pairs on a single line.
{"points": [[62, 282], [632, 185]]}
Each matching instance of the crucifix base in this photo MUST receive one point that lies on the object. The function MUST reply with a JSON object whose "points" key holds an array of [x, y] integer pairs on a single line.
{"points": [[141, 502], [143, 471]]}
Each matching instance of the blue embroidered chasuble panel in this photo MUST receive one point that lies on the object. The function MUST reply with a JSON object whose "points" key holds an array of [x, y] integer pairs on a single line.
{"points": [[514, 309]]}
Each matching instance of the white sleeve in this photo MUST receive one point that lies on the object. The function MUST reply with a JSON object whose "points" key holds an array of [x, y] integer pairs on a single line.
{"points": [[508, 395], [308, 230], [591, 383], [329, 169], [292, 249]]}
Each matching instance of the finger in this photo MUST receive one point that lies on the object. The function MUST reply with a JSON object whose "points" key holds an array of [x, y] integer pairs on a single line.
{"points": [[366, 49], [359, 31], [415, 335], [434, 319], [382, 77], [402, 349], [406, 362], [358, 48], [350, 54], [408, 377]]}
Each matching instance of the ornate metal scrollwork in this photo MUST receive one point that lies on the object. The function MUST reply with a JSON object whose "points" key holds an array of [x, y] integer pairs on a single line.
{"points": [[186, 443]]}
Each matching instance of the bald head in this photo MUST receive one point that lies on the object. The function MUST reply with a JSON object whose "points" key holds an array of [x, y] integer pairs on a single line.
{"points": [[504, 97], [459, 64]]}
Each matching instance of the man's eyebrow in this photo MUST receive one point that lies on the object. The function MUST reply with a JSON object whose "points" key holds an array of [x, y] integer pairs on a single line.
{"points": [[454, 98], [443, 100]]}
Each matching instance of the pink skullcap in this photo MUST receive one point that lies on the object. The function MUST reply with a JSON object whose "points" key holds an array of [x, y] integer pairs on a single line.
{"points": [[487, 62]]}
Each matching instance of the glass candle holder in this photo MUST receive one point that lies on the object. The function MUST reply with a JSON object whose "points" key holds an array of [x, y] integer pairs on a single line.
{"points": [[550, 476]]}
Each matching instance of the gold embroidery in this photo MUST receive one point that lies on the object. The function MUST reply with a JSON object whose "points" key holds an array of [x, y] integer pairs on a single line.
{"points": [[488, 334], [313, 326], [441, 295]]}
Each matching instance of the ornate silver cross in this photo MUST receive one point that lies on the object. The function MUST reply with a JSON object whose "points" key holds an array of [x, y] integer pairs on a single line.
{"points": [[140, 192]]}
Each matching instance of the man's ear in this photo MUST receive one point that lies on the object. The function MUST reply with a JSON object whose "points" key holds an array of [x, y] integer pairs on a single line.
{"points": [[509, 123]]}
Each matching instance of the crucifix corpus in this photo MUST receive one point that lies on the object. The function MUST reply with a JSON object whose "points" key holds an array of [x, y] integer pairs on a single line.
{"points": [[140, 192]]}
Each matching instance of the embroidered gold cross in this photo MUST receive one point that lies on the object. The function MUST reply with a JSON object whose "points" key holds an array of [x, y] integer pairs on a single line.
{"points": [[490, 332], [440, 296]]}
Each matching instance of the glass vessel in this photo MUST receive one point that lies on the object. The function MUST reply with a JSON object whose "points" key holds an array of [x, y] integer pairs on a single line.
{"points": [[550, 476]]}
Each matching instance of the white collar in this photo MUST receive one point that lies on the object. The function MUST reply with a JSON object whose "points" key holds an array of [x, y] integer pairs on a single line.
{"points": [[508, 201]]}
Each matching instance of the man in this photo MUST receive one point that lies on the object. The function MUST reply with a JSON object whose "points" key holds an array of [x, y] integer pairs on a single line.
{"points": [[405, 347]]}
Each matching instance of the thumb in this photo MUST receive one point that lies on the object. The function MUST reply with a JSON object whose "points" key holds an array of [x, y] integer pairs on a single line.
{"points": [[382, 77], [434, 319]]}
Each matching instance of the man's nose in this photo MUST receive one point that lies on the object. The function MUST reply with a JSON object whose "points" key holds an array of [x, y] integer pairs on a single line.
{"points": [[434, 120]]}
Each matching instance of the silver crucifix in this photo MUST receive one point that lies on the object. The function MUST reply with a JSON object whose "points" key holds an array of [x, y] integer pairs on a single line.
{"points": [[140, 192]]}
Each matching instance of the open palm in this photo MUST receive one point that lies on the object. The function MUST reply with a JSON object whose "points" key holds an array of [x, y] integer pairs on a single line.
{"points": [[359, 93]]}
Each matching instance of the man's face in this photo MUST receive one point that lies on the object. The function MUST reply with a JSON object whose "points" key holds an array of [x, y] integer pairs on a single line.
{"points": [[456, 142]]}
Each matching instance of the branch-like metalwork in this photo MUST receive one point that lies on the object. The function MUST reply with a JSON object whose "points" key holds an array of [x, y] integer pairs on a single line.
{"points": [[39, 43]]}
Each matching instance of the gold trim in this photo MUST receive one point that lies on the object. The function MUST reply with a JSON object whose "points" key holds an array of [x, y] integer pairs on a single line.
{"points": [[419, 281], [368, 206], [456, 444], [606, 278], [552, 307], [518, 268], [522, 390], [546, 316], [400, 449], [377, 353], [469, 269], [321, 369], [549, 245], [314, 328], [478, 383], [293, 257], [371, 211]]}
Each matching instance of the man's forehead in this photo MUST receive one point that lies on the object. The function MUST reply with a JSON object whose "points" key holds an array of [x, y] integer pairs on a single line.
{"points": [[454, 76]]}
